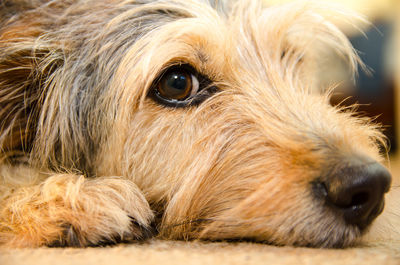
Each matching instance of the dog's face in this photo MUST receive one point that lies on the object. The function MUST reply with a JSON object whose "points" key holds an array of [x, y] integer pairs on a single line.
{"points": [[216, 121], [211, 114]]}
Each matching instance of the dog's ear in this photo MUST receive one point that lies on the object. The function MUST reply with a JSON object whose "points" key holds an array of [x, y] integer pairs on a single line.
{"points": [[222, 6], [298, 36], [312, 33], [24, 67]]}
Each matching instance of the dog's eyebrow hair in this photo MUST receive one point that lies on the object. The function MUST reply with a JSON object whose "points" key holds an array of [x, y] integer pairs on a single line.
{"points": [[202, 56]]}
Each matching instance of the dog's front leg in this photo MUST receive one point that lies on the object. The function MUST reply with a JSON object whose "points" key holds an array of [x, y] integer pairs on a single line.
{"points": [[69, 209]]}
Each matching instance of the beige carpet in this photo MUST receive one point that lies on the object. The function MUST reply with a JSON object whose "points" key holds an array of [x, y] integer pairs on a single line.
{"points": [[175, 253]]}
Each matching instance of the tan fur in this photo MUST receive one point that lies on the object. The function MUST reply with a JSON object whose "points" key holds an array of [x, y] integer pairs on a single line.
{"points": [[89, 158]]}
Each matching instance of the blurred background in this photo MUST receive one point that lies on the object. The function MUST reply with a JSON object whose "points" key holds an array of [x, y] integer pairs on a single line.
{"points": [[377, 93]]}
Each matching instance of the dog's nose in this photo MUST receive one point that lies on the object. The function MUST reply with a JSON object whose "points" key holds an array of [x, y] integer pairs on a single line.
{"points": [[357, 193]]}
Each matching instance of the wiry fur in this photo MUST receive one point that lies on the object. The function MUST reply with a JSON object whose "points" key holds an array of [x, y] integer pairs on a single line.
{"points": [[89, 158]]}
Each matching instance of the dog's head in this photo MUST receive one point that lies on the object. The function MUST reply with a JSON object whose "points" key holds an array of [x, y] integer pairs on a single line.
{"points": [[212, 114]]}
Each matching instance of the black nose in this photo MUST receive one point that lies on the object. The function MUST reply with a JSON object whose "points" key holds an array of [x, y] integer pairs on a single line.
{"points": [[357, 193]]}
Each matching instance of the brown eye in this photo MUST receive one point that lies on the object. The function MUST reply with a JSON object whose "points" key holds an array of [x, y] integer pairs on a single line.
{"points": [[177, 84], [181, 86]]}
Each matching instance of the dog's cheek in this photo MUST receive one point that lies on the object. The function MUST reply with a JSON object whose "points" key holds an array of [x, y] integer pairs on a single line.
{"points": [[289, 217], [155, 136], [240, 196], [271, 212]]}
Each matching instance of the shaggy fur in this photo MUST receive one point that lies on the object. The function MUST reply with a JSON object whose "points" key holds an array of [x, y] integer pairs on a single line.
{"points": [[90, 158]]}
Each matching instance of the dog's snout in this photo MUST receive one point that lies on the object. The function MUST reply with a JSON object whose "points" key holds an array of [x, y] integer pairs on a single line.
{"points": [[357, 193]]}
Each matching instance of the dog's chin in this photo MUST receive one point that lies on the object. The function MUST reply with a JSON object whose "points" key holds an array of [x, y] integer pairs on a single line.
{"points": [[322, 229], [328, 234], [322, 233], [330, 231], [340, 237], [350, 238]]}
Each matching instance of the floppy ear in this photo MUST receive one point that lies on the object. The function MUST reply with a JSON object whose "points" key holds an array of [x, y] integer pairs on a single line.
{"points": [[302, 34], [222, 6], [24, 67]]}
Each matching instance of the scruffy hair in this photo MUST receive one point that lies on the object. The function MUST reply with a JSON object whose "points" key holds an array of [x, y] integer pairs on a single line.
{"points": [[236, 161]]}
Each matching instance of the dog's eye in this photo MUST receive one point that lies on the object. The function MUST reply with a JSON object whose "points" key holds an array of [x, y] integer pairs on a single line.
{"points": [[181, 86], [177, 84]]}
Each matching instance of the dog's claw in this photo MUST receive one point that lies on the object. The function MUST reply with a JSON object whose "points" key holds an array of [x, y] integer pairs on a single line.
{"points": [[68, 239]]}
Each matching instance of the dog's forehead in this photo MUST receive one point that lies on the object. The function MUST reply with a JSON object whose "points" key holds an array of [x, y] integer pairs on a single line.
{"points": [[209, 35], [268, 49], [212, 30]]}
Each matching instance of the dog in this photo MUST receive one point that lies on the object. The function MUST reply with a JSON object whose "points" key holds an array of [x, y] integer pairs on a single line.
{"points": [[179, 119]]}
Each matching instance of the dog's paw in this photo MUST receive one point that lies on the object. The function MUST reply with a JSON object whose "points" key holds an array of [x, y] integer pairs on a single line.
{"points": [[72, 237], [69, 210]]}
